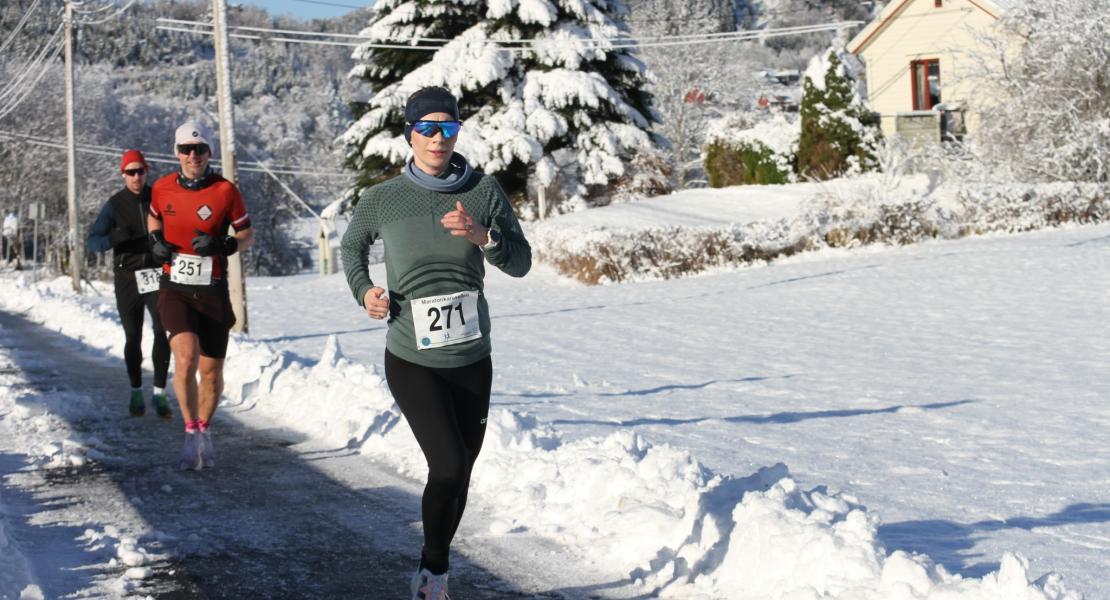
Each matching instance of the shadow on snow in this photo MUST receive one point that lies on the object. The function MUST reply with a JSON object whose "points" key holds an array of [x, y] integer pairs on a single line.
{"points": [[951, 544]]}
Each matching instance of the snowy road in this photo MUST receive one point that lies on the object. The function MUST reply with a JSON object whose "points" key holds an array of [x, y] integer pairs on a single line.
{"points": [[267, 523], [921, 415]]}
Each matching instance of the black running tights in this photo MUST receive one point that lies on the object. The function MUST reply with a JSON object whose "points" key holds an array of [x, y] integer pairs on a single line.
{"points": [[131, 306], [446, 410]]}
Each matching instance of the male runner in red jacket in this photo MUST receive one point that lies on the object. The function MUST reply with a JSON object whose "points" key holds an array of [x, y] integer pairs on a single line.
{"points": [[190, 212]]}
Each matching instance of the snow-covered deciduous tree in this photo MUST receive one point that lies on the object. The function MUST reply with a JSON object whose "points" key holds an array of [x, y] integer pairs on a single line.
{"points": [[695, 88], [551, 93], [1048, 116], [839, 133], [673, 17]]}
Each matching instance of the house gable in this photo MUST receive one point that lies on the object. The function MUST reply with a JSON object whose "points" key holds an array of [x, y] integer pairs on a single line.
{"points": [[896, 8], [919, 54]]}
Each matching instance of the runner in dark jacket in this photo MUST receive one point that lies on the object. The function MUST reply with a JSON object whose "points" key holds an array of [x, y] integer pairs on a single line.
{"points": [[121, 227]]}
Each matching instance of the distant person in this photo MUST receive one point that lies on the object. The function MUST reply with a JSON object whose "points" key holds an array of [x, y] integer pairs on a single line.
{"points": [[121, 227], [437, 357], [11, 231], [190, 212]]}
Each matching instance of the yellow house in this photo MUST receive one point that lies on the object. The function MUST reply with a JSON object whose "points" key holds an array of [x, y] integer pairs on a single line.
{"points": [[917, 56]]}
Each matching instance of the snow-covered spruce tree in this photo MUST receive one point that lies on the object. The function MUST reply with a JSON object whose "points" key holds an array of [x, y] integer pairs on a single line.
{"points": [[567, 110], [839, 134], [1047, 118]]}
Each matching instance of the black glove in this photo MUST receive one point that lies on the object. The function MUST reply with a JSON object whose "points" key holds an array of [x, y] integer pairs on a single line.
{"points": [[160, 248], [121, 234], [206, 245]]}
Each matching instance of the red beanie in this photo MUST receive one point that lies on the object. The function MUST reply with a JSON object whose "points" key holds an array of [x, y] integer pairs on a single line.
{"points": [[129, 157]]}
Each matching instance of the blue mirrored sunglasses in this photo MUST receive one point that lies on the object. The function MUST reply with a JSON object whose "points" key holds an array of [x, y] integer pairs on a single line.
{"points": [[430, 128]]}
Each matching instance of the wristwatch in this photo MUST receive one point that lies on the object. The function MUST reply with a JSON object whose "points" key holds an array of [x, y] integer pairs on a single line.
{"points": [[493, 239]]}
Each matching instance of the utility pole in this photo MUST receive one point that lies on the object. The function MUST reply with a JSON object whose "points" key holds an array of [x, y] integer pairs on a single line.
{"points": [[75, 253], [235, 281]]}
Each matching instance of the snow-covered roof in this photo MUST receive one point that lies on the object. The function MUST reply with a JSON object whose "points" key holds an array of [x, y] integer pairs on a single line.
{"points": [[891, 10]]}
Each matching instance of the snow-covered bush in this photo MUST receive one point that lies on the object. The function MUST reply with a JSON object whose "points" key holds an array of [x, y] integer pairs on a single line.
{"points": [[760, 154], [566, 110], [839, 133], [646, 175], [744, 162], [1048, 115]]}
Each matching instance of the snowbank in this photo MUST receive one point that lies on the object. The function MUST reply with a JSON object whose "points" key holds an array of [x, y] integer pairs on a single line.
{"points": [[651, 512]]}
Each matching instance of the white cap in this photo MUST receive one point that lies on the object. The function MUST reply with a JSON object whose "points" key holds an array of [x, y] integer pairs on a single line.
{"points": [[192, 132]]}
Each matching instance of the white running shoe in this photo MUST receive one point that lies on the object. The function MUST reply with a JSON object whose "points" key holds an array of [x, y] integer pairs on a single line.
{"points": [[190, 457], [428, 586], [206, 449]]}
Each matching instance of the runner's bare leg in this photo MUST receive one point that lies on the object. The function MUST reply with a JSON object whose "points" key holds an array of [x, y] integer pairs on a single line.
{"points": [[211, 386], [186, 352]]}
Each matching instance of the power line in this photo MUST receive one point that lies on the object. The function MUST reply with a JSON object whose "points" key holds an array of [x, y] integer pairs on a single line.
{"points": [[778, 12], [266, 29], [77, 8], [526, 41], [242, 36], [19, 26], [534, 43], [18, 91], [32, 64], [110, 17], [163, 158], [322, 3]]}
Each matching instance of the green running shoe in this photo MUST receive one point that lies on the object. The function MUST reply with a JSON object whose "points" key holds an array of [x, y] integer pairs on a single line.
{"points": [[162, 406], [138, 407]]}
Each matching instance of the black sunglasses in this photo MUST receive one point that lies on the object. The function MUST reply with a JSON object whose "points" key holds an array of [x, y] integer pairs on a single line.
{"points": [[134, 172], [185, 149]]}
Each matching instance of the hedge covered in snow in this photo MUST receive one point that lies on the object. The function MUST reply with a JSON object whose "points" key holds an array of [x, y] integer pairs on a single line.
{"points": [[595, 254]]}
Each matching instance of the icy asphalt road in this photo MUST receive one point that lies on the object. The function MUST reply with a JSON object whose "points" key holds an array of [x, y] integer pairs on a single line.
{"points": [[271, 521]]}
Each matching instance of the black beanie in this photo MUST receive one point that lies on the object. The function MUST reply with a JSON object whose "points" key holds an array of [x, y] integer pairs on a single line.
{"points": [[426, 101]]}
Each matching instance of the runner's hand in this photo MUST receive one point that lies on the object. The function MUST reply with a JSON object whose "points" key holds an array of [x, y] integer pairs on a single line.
{"points": [[160, 248], [376, 306], [460, 224], [206, 245]]}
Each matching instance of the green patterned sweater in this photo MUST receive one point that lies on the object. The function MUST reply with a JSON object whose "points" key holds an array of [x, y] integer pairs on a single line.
{"points": [[423, 259]]}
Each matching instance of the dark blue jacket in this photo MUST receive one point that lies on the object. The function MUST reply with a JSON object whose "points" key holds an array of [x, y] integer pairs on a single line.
{"points": [[121, 227]]}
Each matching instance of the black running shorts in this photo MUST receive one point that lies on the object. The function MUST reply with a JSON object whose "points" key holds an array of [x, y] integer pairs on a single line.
{"points": [[208, 315]]}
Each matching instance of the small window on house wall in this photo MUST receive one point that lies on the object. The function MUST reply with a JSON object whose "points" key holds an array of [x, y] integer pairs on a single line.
{"points": [[925, 78], [938, 3]]}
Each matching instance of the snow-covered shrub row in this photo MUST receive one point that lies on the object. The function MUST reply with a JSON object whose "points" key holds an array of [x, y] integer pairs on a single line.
{"points": [[596, 254], [1015, 208], [671, 525], [603, 255]]}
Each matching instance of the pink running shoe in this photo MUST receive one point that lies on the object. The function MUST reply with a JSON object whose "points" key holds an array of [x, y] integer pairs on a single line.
{"points": [[428, 586], [190, 457]]}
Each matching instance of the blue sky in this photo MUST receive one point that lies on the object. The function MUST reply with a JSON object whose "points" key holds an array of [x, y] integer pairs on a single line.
{"points": [[307, 9]]}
